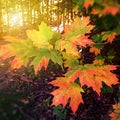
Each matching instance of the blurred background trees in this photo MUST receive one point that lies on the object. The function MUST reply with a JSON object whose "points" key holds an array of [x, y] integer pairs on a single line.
{"points": [[20, 15]]}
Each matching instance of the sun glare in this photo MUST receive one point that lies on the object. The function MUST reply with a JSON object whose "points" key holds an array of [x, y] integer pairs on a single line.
{"points": [[16, 20]]}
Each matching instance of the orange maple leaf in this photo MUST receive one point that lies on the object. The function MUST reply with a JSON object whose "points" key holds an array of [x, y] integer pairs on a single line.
{"points": [[65, 91], [16, 63], [88, 3], [6, 52], [95, 50], [81, 41], [111, 37], [93, 76], [44, 62], [113, 10]]}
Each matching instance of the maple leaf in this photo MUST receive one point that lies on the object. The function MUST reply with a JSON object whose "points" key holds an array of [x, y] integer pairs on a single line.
{"points": [[42, 57], [113, 10], [43, 63], [6, 51], [81, 41], [56, 57], [93, 76], [20, 47], [16, 63], [115, 115], [70, 60], [67, 90], [88, 3], [98, 62], [109, 36], [41, 38], [70, 49], [78, 27], [105, 7], [75, 37], [95, 50]]}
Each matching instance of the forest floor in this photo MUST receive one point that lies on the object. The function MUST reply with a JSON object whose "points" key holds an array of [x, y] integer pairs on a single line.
{"points": [[24, 96]]}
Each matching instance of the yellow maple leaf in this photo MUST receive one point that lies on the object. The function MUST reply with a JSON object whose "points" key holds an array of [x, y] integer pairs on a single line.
{"points": [[98, 62]]}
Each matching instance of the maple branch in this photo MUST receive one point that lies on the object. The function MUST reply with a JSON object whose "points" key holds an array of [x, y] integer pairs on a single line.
{"points": [[104, 43]]}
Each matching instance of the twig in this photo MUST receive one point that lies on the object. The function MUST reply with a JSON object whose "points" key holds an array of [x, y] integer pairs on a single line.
{"points": [[116, 39]]}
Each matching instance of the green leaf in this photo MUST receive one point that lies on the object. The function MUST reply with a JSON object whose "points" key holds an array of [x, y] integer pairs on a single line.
{"points": [[56, 57], [70, 60], [42, 37], [98, 1], [45, 31], [56, 36], [36, 60], [41, 53], [97, 38]]}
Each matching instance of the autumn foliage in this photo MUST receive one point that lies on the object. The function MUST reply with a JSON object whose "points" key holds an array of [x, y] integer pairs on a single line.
{"points": [[45, 45]]}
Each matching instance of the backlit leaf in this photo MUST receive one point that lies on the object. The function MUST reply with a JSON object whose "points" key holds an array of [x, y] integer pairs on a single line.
{"points": [[70, 60], [41, 38], [6, 51], [56, 57], [65, 91], [43, 63], [75, 36], [93, 76], [42, 57], [81, 41], [16, 63], [78, 27]]}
